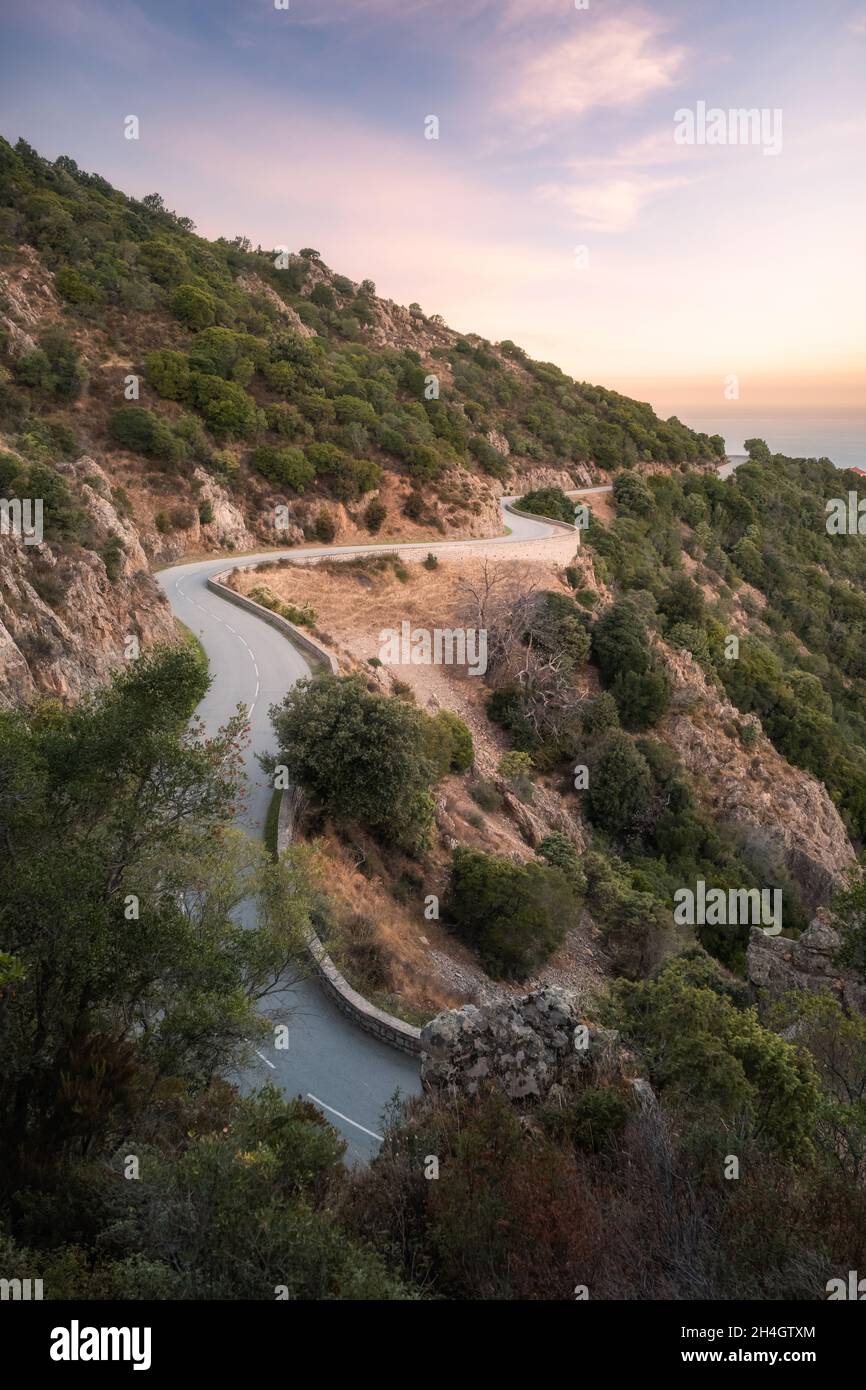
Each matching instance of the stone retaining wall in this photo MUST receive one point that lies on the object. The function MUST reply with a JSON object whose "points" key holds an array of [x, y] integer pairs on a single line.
{"points": [[384, 1026], [312, 649], [548, 520], [365, 1015]]}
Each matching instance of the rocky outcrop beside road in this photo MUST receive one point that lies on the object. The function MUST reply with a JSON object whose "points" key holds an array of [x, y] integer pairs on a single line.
{"points": [[65, 623], [532, 1048]]}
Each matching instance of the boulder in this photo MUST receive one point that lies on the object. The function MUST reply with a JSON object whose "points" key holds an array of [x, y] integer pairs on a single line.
{"points": [[530, 1047], [778, 965]]}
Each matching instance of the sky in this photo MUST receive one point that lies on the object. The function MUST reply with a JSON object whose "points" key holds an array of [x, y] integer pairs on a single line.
{"points": [[566, 204]]}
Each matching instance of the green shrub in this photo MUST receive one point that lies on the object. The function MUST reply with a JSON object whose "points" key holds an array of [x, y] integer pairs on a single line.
{"points": [[285, 466], [195, 308], [112, 558], [635, 924], [516, 768], [451, 748], [73, 288], [490, 459], [561, 853], [711, 1054], [62, 517], [619, 785], [226, 407], [323, 296], [168, 372], [224, 466], [514, 915], [485, 795], [55, 368], [592, 1123], [11, 475], [138, 429], [302, 616], [414, 507], [374, 515], [324, 526], [632, 495], [351, 410], [629, 666], [548, 501], [361, 756], [190, 430]]}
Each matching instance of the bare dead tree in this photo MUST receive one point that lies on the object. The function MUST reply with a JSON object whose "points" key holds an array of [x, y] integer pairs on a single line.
{"points": [[523, 652], [479, 593]]}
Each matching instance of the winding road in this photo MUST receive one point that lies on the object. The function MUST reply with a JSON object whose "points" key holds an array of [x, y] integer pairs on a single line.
{"points": [[348, 1074]]}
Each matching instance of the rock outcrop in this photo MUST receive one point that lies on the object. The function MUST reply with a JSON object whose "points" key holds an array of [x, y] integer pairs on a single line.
{"points": [[64, 623], [256, 286], [531, 1048], [30, 301], [780, 810], [778, 965]]}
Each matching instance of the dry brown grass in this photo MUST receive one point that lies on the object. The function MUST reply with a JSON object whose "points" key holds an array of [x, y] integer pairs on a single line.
{"points": [[427, 968]]}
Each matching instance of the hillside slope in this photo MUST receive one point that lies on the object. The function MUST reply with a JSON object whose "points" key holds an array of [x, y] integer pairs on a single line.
{"points": [[228, 397]]}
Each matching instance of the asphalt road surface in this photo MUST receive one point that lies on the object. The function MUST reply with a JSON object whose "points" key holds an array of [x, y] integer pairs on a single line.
{"points": [[350, 1075]]}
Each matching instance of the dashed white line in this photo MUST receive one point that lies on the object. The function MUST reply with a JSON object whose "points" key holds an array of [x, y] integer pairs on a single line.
{"points": [[341, 1116], [265, 1060], [234, 631]]}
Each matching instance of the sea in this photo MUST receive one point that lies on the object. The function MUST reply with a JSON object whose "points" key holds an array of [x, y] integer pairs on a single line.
{"points": [[839, 435]]}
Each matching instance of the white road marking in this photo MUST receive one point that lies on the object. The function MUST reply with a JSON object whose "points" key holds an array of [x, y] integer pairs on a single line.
{"points": [[234, 631], [341, 1116], [265, 1060]]}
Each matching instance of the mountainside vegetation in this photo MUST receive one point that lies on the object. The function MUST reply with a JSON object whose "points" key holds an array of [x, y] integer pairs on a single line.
{"points": [[273, 373], [679, 699]]}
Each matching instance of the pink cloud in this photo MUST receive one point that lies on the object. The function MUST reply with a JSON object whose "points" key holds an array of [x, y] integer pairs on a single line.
{"points": [[609, 205], [614, 62]]}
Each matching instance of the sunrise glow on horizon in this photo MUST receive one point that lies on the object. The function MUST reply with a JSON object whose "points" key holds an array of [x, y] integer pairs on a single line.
{"points": [[555, 207]]}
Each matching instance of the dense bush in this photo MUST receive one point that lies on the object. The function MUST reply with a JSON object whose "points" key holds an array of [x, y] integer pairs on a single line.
{"points": [[513, 915], [55, 368], [697, 1043], [619, 785], [450, 743], [195, 308], [168, 372], [374, 514], [632, 494], [284, 466], [628, 665], [324, 526], [548, 501], [134, 427], [363, 757], [227, 408]]}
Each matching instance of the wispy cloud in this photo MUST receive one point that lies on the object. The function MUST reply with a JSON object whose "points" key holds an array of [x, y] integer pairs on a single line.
{"points": [[610, 63], [609, 205]]}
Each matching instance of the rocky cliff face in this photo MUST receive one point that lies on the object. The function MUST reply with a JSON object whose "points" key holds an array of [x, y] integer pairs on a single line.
{"points": [[778, 965], [29, 302], [64, 624], [779, 808]]}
